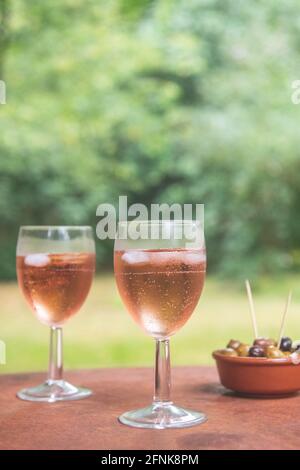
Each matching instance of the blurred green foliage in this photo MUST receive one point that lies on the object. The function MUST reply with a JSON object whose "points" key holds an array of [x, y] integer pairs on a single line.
{"points": [[163, 101]]}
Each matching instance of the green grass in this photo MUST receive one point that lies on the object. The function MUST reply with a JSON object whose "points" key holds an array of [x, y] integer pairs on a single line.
{"points": [[103, 334]]}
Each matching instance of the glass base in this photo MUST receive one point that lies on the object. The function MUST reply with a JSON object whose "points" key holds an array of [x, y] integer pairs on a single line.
{"points": [[162, 415], [52, 391]]}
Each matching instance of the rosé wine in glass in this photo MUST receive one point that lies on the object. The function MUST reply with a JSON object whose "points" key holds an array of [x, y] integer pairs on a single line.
{"points": [[55, 268], [160, 288], [55, 285], [160, 271]]}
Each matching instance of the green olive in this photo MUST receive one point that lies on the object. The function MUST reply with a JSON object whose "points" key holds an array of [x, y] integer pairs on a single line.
{"points": [[243, 350], [233, 344], [274, 353], [228, 352], [287, 353]]}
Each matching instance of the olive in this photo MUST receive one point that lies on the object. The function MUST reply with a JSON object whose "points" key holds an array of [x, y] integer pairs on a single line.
{"points": [[256, 351], [243, 350], [286, 353], [264, 342], [286, 344], [274, 353], [233, 344], [295, 357], [228, 352], [296, 345]]}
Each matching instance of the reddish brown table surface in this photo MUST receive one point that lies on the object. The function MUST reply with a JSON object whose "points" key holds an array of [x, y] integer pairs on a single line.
{"points": [[233, 422]]}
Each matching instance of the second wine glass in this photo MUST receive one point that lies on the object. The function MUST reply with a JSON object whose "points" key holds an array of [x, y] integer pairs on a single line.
{"points": [[160, 275]]}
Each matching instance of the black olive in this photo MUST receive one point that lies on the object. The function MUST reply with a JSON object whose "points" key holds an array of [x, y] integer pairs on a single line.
{"points": [[286, 344], [256, 351]]}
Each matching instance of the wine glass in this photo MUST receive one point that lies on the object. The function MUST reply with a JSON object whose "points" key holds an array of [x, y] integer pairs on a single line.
{"points": [[55, 269], [160, 271]]}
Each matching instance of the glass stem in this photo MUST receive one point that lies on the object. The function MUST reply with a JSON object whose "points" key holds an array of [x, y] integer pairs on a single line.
{"points": [[162, 390], [56, 354]]}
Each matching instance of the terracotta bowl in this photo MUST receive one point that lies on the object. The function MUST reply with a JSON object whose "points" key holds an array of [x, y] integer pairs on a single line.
{"points": [[258, 376]]}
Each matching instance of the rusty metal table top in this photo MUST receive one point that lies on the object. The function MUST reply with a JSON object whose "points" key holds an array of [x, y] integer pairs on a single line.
{"points": [[233, 422]]}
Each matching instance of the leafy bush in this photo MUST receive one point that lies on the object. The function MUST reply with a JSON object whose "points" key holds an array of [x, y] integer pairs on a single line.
{"points": [[163, 101]]}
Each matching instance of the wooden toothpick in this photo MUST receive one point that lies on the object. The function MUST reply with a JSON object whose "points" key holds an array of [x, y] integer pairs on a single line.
{"points": [[286, 309], [252, 311]]}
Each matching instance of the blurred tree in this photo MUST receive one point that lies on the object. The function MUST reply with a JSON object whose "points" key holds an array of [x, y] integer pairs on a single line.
{"points": [[162, 101], [4, 16]]}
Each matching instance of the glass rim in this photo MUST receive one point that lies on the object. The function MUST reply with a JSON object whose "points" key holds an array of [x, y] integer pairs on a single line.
{"points": [[55, 227]]}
